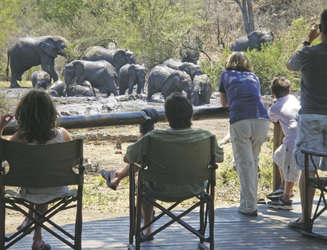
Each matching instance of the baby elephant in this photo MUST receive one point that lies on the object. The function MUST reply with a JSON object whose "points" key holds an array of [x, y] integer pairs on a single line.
{"points": [[129, 76], [41, 79], [81, 90], [166, 80], [202, 90], [57, 89]]}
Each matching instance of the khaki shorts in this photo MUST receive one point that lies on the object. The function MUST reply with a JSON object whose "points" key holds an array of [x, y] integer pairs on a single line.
{"points": [[284, 160], [311, 134]]}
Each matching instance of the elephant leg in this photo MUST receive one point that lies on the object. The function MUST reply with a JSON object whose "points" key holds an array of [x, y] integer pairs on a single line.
{"points": [[151, 91], [13, 81], [122, 90], [48, 66], [138, 91]]}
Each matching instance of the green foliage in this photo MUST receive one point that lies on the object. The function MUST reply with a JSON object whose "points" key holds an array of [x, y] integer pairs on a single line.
{"points": [[215, 70], [62, 11], [269, 63]]}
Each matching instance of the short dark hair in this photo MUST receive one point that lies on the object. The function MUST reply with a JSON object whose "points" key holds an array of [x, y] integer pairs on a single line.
{"points": [[280, 86], [323, 21], [179, 111], [36, 116]]}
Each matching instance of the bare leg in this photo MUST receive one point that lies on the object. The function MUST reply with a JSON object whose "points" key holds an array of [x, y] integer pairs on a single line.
{"points": [[282, 180], [119, 174], [288, 189], [25, 221], [147, 211], [302, 190], [37, 239]]}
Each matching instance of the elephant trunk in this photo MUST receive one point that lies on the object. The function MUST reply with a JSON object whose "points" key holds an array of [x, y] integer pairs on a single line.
{"points": [[69, 76]]}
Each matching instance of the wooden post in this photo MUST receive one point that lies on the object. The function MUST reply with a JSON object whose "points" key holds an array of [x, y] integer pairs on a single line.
{"points": [[278, 140]]}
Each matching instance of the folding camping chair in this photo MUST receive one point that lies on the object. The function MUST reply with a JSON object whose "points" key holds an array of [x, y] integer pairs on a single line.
{"points": [[41, 166], [317, 182], [182, 163]]}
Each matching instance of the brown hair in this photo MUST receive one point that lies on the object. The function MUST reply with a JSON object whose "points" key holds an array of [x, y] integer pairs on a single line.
{"points": [[280, 86], [36, 115], [238, 61]]}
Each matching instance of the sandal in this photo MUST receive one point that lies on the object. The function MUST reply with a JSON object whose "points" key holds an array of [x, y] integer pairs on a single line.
{"points": [[44, 246], [107, 176], [296, 225]]}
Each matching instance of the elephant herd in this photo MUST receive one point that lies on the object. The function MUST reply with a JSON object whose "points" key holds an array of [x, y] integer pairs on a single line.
{"points": [[110, 71]]}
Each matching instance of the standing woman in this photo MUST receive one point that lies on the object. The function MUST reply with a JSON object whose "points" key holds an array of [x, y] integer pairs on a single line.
{"points": [[239, 89], [36, 116]]}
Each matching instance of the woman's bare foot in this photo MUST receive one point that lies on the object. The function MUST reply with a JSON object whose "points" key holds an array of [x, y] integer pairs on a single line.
{"points": [[111, 178], [24, 223]]}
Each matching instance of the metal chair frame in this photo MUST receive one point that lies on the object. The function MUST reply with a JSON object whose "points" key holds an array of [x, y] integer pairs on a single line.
{"points": [[316, 182]]}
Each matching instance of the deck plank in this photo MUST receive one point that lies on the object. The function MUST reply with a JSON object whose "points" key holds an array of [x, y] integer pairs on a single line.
{"points": [[232, 231]]}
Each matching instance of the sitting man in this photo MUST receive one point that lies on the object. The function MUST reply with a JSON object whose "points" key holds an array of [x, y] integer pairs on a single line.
{"points": [[179, 113]]}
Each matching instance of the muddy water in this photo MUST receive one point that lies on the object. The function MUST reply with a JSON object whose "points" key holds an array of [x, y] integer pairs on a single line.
{"points": [[68, 106]]}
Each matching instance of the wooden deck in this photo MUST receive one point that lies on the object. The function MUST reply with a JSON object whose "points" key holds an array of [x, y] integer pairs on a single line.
{"points": [[232, 231]]}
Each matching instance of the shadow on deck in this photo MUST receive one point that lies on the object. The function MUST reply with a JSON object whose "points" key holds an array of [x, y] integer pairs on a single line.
{"points": [[232, 231]]}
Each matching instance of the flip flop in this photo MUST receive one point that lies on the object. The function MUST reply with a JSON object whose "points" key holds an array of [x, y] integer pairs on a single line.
{"points": [[106, 175], [143, 237], [44, 246]]}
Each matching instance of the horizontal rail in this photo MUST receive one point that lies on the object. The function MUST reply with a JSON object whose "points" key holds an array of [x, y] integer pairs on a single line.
{"points": [[123, 118]]}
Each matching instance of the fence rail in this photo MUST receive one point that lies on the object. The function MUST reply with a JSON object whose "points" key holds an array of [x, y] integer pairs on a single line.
{"points": [[123, 118]]}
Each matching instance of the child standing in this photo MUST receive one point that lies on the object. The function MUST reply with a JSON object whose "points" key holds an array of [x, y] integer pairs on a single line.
{"points": [[284, 111]]}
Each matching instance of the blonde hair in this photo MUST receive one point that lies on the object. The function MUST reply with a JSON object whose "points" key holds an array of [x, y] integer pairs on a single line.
{"points": [[238, 61]]}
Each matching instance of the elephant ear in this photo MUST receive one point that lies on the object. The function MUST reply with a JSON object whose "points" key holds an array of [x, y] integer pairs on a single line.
{"points": [[79, 68], [48, 46], [120, 57]]}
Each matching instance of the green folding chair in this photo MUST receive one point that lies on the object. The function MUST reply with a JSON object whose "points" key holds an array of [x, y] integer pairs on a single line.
{"points": [[41, 166], [183, 163]]}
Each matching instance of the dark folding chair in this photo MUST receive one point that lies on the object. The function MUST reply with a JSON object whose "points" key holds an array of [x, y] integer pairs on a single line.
{"points": [[41, 166], [169, 162], [317, 182]]}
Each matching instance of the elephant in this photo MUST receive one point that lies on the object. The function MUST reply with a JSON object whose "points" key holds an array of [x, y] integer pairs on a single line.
{"points": [[41, 79], [190, 68], [129, 76], [253, 41], [202, 90], [81, 90], [57, 89], [100, 74], [166, 80], [27, 52], [117, 57]]}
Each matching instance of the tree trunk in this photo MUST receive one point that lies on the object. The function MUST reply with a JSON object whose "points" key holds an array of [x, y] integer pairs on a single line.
{"points": [[247, 13]]}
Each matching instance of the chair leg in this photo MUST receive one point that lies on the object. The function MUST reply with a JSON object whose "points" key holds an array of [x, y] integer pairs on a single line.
{"points": [[211, 224], [2, 224], [138, 219], [132, 208], [78, 227]]}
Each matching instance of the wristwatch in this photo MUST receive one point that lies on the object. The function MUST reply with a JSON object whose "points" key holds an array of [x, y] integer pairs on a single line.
{"points": [[305, 42]]}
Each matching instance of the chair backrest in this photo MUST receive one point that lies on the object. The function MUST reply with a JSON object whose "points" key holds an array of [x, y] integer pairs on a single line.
{"points": [[183, 162], [41, 166]]}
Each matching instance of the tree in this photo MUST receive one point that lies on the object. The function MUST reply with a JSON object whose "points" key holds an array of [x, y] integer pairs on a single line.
{"points": [[247, 13]]}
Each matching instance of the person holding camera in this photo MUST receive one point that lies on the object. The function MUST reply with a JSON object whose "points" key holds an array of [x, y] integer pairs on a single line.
{"points": [[312, 119]]}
